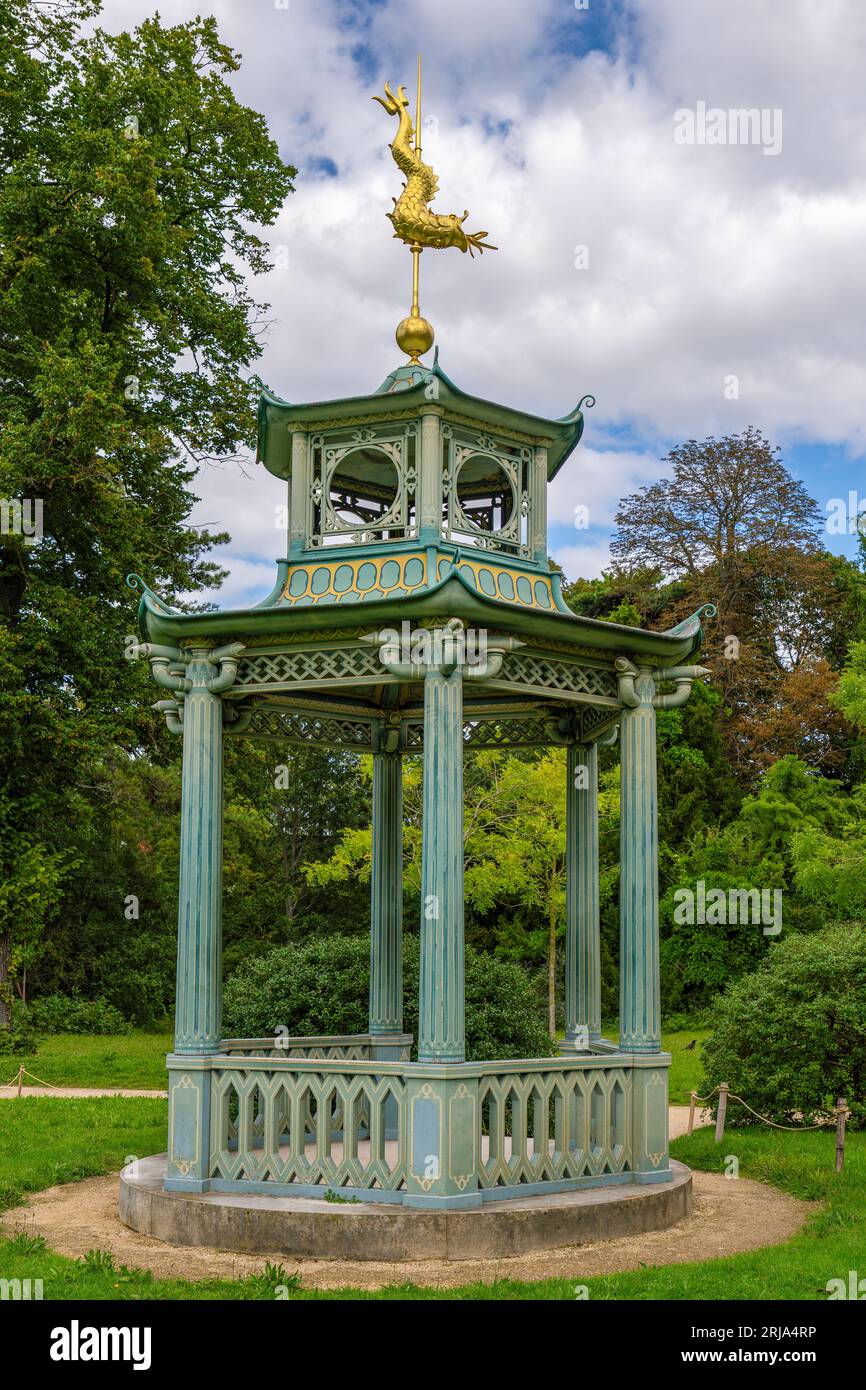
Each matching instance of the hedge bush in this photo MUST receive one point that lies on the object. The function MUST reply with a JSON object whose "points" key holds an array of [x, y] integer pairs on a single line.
{"points": [[791, 1037], [59, 1013], [322, 984]]}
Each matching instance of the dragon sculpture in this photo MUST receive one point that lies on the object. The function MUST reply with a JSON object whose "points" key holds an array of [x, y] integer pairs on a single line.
{"points": [[412, 219]]}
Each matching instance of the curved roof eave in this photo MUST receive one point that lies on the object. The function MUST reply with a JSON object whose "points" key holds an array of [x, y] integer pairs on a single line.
{"points": [[452, 596], [274, 448]]}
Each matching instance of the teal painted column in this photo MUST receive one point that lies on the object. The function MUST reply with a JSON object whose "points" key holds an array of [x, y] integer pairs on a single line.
{"points": [[386, 896], [639, 1019], [198, 1004], [198, 1008], [582, 940], [441, 1029]]}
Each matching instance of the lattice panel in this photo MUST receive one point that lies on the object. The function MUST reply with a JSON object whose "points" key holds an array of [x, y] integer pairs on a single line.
{"points": [[307, 1127], [342, 1052], [295, 727], [564, 677], [505, 733], [319, 667], [543, 1126], [491, 733]]}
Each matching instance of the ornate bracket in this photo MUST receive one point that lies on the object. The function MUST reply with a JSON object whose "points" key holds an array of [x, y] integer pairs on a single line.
{"points": [[170, 666], [569, 728], [409, 655], [388, 734], [637, 684], [237, 715]]}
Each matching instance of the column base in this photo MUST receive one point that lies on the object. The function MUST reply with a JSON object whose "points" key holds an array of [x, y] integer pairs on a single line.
{"points": [[194, 1186], [189, 1091], [649, 1119], [442, 1140], [461, 1201]]}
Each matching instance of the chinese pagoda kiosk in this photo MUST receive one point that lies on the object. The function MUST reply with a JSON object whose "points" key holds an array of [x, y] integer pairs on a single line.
{"points": [[416, 613]]}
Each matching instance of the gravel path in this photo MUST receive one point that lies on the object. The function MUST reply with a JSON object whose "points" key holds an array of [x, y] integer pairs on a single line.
{"points": [[75, 1092], [729, 1216]]}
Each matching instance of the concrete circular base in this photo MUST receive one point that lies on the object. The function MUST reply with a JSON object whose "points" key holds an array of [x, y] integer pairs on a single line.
{"points": [[311, 1228]]}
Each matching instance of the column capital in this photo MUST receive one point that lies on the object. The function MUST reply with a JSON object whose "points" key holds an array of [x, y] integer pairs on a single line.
{"points": [[184, 669], [387, 734]]}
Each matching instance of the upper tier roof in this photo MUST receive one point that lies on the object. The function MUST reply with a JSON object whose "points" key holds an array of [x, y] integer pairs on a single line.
{"points": [[412, 385]]}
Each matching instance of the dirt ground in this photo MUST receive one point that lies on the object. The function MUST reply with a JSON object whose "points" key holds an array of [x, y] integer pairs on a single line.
{"points": [[729, 1216]]}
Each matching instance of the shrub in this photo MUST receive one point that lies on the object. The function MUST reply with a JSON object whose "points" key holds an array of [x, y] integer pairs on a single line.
{"points": [[57, 1013], [791, 1037], [17, 1041], [322, 984]]}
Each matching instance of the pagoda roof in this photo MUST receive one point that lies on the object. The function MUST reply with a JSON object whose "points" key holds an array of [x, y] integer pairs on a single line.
{"points": [[451, 597], [411, 383]]}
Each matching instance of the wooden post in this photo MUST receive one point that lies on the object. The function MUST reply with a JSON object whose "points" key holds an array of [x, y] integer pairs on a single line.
{"points": [[841, 1116], [721, 1112], [20, 1080], [692, 1099]]}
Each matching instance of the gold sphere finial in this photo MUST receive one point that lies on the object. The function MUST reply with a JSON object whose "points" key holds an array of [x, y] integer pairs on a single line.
{"points": [[414, 336]]}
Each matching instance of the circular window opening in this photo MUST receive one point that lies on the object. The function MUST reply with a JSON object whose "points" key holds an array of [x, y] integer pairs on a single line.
{"points": [[485, 493], [363, 488]]}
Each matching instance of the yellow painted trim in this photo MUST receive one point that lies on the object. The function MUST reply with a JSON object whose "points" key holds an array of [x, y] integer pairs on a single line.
{"points": [[330, 594]]}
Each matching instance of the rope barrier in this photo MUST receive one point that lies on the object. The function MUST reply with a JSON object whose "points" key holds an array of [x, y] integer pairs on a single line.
{"points": [[792, 1129], [19, 1077]]}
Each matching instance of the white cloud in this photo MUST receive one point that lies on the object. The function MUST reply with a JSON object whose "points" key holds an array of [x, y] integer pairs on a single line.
{"points": [[582, 561], [596, 480], [705, 262]]}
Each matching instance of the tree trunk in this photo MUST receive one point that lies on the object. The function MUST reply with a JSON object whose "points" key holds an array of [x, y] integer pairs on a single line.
{"points": [[5, 953]]}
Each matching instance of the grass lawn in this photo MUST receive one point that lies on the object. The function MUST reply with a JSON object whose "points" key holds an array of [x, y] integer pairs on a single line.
{"points": [[134, 1060], [44, 1142], [685, 1073], [137, 1060], [48, 1141]]}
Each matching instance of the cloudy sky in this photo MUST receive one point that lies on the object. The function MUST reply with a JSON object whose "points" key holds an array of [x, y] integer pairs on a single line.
{"points": [[693, 281]]}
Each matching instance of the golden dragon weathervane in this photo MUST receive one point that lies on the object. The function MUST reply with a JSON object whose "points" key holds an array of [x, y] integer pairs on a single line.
{"points": [[412, 219]]}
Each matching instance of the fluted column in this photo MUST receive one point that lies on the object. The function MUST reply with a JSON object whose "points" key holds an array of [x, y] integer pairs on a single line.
{"points": [[538, 507], [640, 1025], [197, 677], [299, 492], [582, 940], [386, 896], [430, 478], [441, 1030], [198, 1007]]}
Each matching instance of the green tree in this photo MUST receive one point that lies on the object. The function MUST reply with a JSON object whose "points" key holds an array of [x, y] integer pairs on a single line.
{"points": [[731, 524], [775, 842], [132, 184]]}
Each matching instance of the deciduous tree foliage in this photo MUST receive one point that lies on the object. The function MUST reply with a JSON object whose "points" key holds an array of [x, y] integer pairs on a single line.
{"points": [[131, 184], [731, 525]]}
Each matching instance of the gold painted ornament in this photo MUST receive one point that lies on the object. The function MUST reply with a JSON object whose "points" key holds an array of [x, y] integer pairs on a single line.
{"points": [[413, 220]]}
